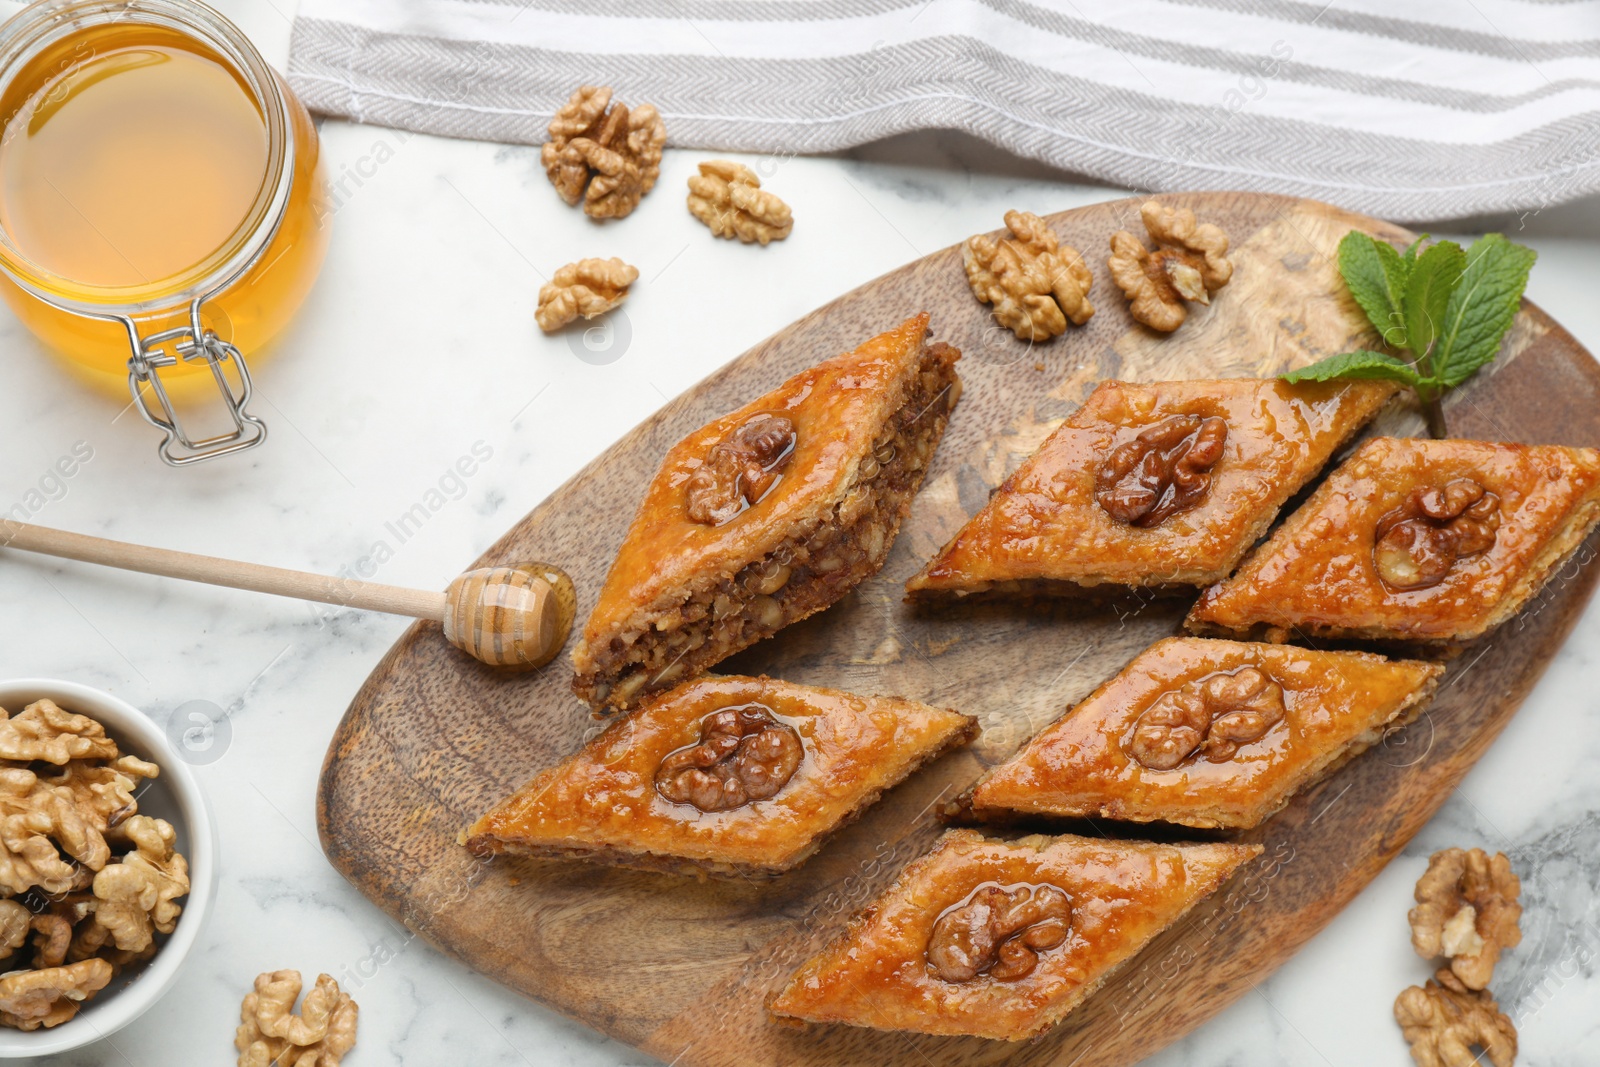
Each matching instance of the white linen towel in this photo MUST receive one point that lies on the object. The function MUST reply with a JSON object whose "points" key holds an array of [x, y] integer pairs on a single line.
{"points": [[1421, 110]]}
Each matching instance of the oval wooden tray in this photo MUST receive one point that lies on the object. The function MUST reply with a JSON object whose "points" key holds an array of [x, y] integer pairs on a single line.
{"points": [[679, 968]]}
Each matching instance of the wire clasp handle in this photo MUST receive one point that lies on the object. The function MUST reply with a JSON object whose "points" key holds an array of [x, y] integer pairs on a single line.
{"points": [[192, 343]]}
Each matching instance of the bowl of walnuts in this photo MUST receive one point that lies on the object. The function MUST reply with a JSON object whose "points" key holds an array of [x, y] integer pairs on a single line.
{"points": [[107, 865]]}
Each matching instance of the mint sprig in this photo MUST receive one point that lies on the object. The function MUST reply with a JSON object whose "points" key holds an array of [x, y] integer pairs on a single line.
{"points": [[1442, 312]]}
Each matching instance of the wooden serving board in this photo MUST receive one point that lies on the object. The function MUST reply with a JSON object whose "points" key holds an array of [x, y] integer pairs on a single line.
{"points": [[679, 968]]}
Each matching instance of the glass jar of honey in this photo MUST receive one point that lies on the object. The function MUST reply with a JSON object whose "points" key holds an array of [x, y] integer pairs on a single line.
{"points": [[162, 207]]}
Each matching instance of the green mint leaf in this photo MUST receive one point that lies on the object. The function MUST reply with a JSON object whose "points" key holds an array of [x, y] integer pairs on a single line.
{"points": [[1482, 307], [1414, 247], [1433, 277], [1362, 364], [1376, 276]]}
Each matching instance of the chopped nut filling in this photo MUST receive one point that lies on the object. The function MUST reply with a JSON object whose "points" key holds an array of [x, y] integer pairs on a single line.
{"points": [[816, 565], [1212, 716], [744, 755], [1416, 545], [1164, 470], [999, 931]]}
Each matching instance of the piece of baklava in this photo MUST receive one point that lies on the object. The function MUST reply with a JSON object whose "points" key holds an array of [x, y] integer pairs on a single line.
{"points": [[1001, 939], [768, 515], [729, 775], [1160, 486], [1207, 733], [1419, 540]]}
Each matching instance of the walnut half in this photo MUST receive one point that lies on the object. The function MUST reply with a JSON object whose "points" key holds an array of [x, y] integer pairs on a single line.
{"points": [[136, 898], [49, 996], [1189, 263], [1444, 1021], [1035, 283], [728, 198], [1212, 716], [589, 287], [607, 156], [739, 469], [270, 1034], [1164, 470], [999, 931], [744, 754], [46, 731], [1416, 545], [1467, 910]]}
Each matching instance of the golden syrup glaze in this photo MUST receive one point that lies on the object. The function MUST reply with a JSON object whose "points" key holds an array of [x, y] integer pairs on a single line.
{"points": [[1079, 766], [1044, 521], [605, 797], [1123, 893], [837, 408], [1316, 573]]}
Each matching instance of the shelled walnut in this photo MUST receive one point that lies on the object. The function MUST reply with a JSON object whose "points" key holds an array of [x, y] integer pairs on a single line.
{"points": [[134, 898], [44, 731], [1467, 910], [50, 996], [728, 198], [1212, 716], [63, 830], [1416, 545], [50, 837], [606, 155], [1162, 471], [739, 469], [1189, 263], [743, 755], [1444, 1021], [15, 922], [1035, 283], [999, 931], [107, 788], [589, 287], [270, 1034]]}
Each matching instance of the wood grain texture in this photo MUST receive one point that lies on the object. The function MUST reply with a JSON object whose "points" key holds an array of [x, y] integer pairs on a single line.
{"points": [[679, 968]]}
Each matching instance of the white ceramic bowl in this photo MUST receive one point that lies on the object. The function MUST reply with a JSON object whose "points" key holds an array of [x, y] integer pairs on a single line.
{"points": [[176, 797]]}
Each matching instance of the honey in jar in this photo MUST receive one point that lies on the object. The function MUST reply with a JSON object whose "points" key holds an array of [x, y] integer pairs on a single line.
{"points": [[161, 202]]}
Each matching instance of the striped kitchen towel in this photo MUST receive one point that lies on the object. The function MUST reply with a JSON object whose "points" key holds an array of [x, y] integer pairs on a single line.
{"points": [[1423, 110]]}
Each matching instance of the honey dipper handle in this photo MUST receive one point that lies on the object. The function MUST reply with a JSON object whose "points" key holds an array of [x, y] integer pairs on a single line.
{"points": [[346, 592]]}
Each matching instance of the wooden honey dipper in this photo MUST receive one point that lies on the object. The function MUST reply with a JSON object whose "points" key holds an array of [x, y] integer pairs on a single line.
{"points": [[516, 617]]}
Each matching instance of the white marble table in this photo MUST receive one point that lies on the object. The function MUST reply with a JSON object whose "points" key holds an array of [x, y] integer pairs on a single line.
{"points": [[418, 345]]}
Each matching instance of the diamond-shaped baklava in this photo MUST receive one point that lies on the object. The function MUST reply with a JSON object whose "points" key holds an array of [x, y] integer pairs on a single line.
{"points": [[1414, 540], [1207, 733], [1001, 939], [731, 775], [1162, 485], [768, 515]]}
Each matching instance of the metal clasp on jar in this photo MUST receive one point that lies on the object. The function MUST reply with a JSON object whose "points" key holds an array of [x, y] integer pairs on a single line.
{"points": [[193, 343]]}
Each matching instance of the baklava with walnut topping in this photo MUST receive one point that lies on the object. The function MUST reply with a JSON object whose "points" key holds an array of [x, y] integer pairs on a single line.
{"points": [[768, 515], [1162, 486], [728, 775], [1207, 733], [1001, 939], [1433, 541]]}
